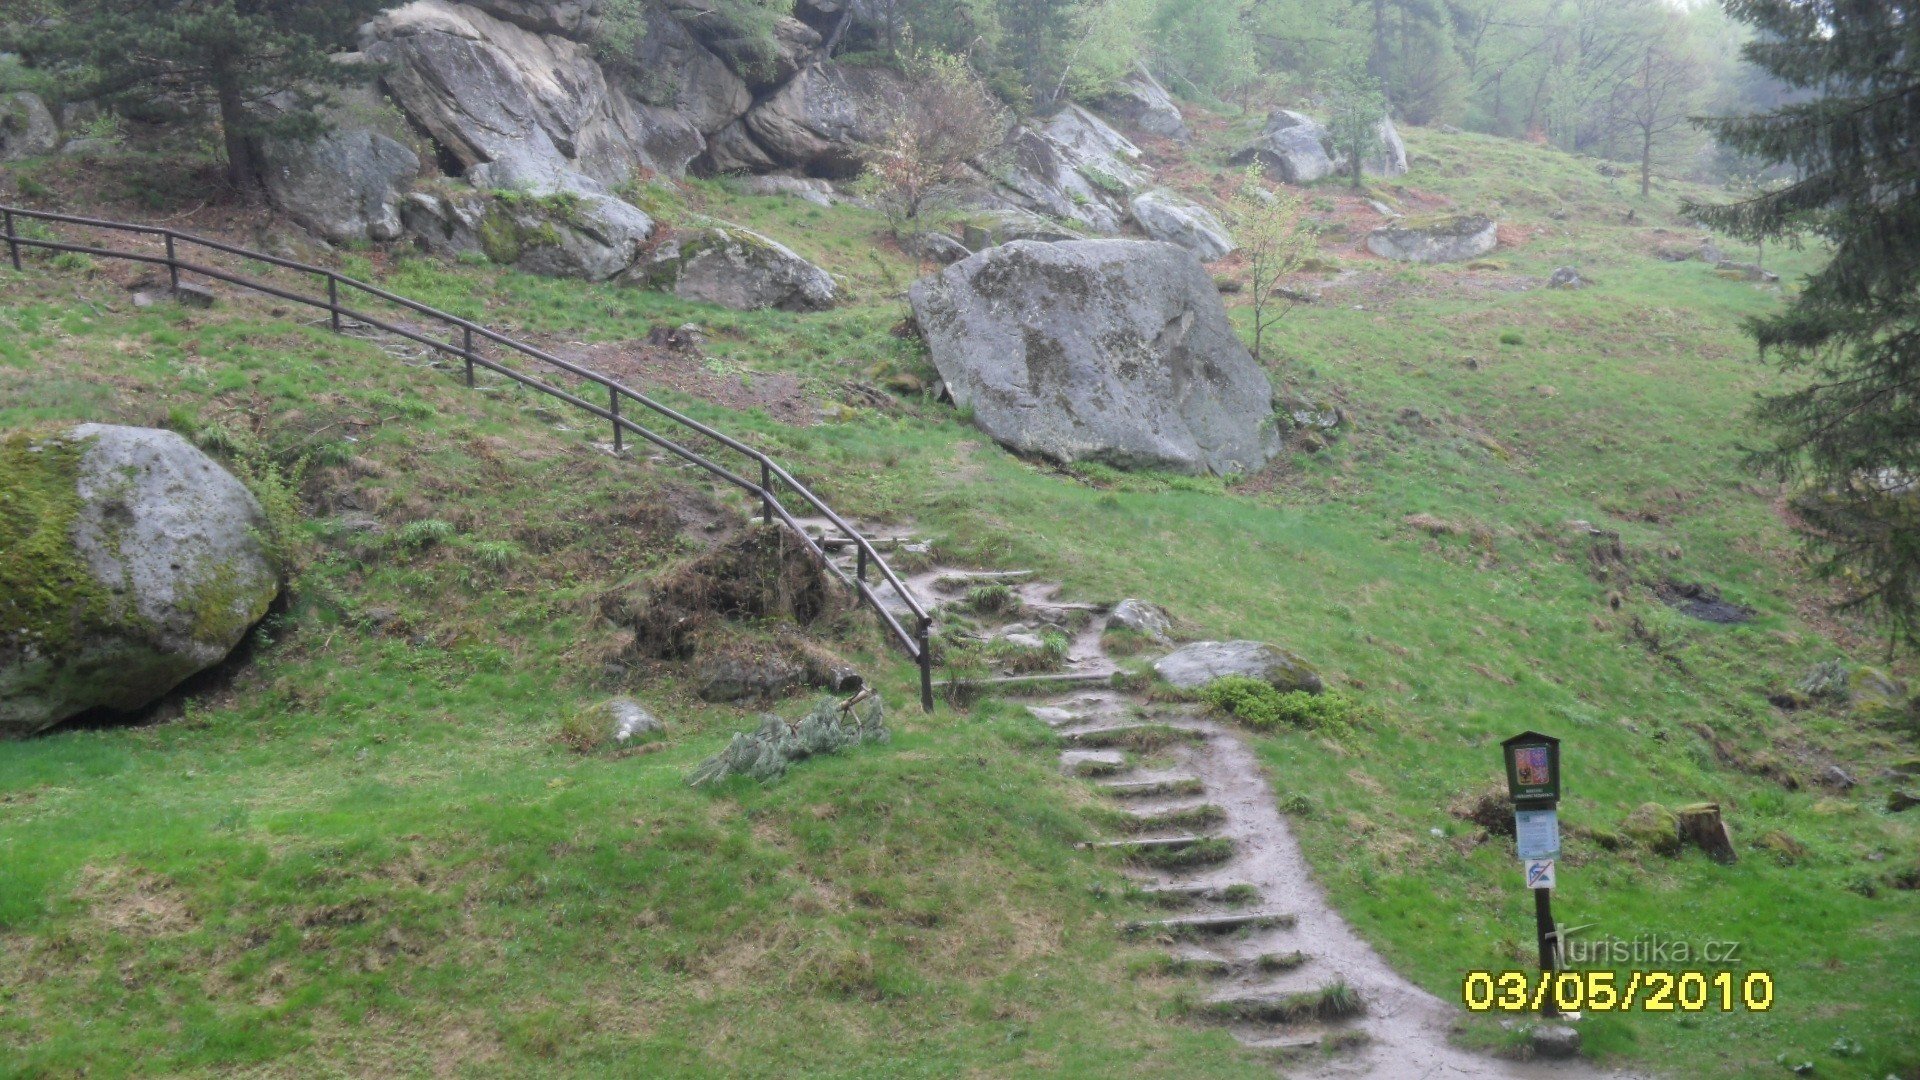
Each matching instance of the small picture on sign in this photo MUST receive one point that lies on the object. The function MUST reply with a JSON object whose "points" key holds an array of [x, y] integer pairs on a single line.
{"points": [[1530, 766]]}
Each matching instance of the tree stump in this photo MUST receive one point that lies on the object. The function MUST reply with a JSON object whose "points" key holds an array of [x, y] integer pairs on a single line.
{"points": [[1701, 826]]}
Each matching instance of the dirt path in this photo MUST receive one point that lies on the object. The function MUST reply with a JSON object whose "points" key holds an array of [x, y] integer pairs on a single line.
{"points": [[1244, 917]]}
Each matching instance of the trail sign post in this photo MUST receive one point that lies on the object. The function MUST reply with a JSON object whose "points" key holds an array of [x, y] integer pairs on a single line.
{"points": [[1533, 779]]}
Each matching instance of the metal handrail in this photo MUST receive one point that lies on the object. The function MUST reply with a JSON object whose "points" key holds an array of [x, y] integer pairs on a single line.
{"points": [[772, 474]]}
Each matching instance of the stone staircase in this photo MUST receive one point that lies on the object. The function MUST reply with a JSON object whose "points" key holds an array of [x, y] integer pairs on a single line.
{"points": [[1235, 906]]}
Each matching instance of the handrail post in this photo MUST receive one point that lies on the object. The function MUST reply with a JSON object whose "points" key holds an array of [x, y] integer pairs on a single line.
{"points": [[333, 300], [613, 393], [860, 575], [766, 493], [467, 353], [926, 663], [13, 242], [173, 263]]}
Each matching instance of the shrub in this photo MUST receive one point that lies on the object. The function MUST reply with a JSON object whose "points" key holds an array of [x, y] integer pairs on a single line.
{"points": [[1512, 337], [1261, 706]]}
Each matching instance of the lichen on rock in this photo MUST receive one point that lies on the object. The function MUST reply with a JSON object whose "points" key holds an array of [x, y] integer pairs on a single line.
{"points": [[129, 561]]}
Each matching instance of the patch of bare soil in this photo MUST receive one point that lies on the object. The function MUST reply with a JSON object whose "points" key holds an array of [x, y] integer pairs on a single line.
{"points": [[647, 368]]}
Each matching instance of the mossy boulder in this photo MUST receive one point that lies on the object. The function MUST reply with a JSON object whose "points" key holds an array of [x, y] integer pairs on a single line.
{"points": [[1202, 662], [129, 560], [1653, 827], [1456, 238], [566, 234], [735, 268]]}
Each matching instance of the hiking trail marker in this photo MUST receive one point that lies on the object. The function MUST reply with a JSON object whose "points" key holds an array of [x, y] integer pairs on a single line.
{"points": [[1533, 780]]}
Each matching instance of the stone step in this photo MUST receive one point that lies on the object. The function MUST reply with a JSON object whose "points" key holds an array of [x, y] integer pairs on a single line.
{"points": [[1213, 924], [1297, 1042], [1161, 843], [953, 579], [1186, 895], [1137, 736], [1035, 684], [1092, 762], [1166, 785], [1214, 967], [1053, 716], [1335, 1001]]}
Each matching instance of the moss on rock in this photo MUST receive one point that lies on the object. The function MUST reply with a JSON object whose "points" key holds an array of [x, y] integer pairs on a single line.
{"points": [[47, 595]]}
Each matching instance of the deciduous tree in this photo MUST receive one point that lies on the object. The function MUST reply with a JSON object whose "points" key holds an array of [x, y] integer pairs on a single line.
{"points": [[1269, 228]]}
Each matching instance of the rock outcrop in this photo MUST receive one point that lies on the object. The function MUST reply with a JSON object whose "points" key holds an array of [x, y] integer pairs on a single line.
{"points": [[534, 112], [1453, 239], [1297, 149], [1141, 101], [1176, 219], [1202, 662], [27, 127], [670, 69], [819, 121], [568, 234], [1075, 168], [735, 268], [131, 561], [346, 185], [1292, 149], [1116, 351]]}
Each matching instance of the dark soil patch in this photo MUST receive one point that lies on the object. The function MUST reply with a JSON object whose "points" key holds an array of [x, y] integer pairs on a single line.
{"points": [[1701, 602]]}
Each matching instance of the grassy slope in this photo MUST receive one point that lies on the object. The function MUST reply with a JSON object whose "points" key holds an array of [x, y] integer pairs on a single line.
{"points": [[367, 854]]}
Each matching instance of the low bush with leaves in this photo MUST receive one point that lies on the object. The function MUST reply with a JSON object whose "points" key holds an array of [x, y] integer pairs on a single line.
{"points": [[1263, 707]]}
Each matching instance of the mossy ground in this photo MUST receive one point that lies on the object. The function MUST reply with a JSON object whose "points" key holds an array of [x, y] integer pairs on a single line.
{"points": [[368, 854]]}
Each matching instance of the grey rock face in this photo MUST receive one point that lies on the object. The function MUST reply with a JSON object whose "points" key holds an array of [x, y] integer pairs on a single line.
{"points": [[1043, 177], [1092, 145], [631, 719], [346, 185], [1566, 277], [1292, 148], [1142, 618], [1140, 100], [536, 109], [818, 121], [588, 236], [570, 18], [935, 247], [806, 189], [738, 269], [27, 128], [733, 149], [1204, 661], [1176, 219], [171, 543], [1107, 350], [1454, 239], [671, 69]]}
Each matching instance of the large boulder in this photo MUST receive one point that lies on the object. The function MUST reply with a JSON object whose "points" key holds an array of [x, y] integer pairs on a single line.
{"points": [[27, 127], [568, 234], [1140, 100], [1292, 148], [1176, 219], [1450, 239], [1042, 177], [535, 110], [670, 69], [345, 185], [735, 268], [1116, 351], [129, 560], [1388, 157], [819, 121], [1202, 662]]}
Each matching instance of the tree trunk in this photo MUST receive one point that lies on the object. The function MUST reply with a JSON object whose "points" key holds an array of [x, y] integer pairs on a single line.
{"points": [[1646, 163], [243, 170]]}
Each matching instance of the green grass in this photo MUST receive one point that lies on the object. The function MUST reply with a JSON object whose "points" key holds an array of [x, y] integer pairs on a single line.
{"points": [[369, 853]]}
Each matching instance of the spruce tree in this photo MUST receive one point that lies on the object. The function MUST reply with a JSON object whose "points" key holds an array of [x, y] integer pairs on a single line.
{"points": [[231, 55], [1849, 429]]}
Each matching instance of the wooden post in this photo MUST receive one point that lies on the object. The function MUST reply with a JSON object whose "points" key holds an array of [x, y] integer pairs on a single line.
{"points": [[13, 242], [333, 301], [173, 264], [613, 393], [467, 353]]}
